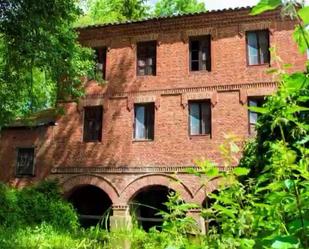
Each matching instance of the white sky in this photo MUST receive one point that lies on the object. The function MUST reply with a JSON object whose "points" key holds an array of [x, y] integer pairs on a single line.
{"points": [[221, 4]]}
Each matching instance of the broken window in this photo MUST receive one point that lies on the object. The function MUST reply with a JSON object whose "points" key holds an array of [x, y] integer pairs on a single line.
{"points": [[25, 162], [144, 121], [146, 58], [100, 54], [200, 53], [200, 117], [253, 116], [258, 47], [93, 123]]}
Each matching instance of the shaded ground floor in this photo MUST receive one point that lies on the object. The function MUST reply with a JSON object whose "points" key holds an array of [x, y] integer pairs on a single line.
{"points": [[116, 199]]}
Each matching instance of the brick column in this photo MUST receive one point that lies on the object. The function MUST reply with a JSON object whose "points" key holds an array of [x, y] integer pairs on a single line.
{"points": [[196, 215], [121, 219]]}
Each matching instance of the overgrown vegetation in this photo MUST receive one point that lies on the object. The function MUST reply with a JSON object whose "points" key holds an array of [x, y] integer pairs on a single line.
{"points": [[263, 203]]}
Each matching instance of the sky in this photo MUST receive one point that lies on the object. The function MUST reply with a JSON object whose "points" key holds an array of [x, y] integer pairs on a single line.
{"points": [[221, 4]]}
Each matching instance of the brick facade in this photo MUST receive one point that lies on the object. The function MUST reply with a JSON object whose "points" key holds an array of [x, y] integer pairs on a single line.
{"points": [[118, 164]]}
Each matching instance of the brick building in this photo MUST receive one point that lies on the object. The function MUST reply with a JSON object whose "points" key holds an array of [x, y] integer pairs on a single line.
{"points": [[174, 86]]}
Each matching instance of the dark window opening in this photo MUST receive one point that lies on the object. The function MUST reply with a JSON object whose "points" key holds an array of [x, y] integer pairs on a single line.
{"points": [[258, 47], [25, 162], [146, 58], [93, 123], [253, 116], [100, 54], [146, 205], [200, 58], [200, 117], [144, 121], [93, 206]]}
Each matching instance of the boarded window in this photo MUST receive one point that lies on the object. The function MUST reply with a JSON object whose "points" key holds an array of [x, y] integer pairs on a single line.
{"points": [[100, 54], [200, 117], [200, 53], [253, 116], [146, 58], [144, 121], [25, 162], [258, 47], [93, 123]]}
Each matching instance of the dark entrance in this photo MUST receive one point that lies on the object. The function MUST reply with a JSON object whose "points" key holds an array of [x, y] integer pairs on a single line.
{"points": [[146, 205], [210, 222], [92, 204]]}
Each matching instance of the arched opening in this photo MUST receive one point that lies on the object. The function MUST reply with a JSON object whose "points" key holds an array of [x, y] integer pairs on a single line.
{"points": [[147, 203], [92, 205], [210, 221]]}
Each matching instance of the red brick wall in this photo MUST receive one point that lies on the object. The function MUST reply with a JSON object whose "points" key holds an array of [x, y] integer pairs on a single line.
{"points": [[227, 85]]}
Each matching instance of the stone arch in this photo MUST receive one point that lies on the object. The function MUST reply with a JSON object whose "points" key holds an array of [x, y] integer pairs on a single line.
{"points": [[155, 179], [69, 185], [199, 196]]}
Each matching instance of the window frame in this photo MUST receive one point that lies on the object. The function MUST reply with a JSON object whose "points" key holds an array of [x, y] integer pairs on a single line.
{"points": [[204, 39], [147, 56], [260, 99], [17, 173], [101, 51], [258, 43], [85, 138], [147, 104], [200, 101]]}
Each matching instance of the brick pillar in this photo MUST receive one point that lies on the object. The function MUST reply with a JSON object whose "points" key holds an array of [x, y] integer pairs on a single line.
{"points": [[121, 219], [196, 215]]}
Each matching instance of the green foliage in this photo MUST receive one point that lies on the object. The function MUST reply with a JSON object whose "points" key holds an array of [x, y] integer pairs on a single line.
{"points": [[106, 11], [35, 205], [168, 8], [40, 60], [264, 5]]}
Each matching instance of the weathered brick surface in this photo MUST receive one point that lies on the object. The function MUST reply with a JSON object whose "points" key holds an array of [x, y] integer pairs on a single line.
{"points": [[228, 85]]}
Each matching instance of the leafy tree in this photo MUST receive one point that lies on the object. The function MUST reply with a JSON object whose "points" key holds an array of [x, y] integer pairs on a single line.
{"points": [[106, 11], [167, 7], [40, 60]]}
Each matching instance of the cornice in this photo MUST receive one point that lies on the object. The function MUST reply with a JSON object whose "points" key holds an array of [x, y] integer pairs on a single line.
{"points": [[178, 91], [124, 170]]}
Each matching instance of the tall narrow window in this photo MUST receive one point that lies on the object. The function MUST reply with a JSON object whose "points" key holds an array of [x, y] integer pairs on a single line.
{"points": [[25, 162], [93, 123], [258, 47], [146, 58], [200, 117], [144, 121], [253, 116], [200, 58], [101, 61]]}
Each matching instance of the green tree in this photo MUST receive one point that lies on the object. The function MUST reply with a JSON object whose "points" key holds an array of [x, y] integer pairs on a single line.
{"points": [[106, 11], [168, 7], [40, 59]]}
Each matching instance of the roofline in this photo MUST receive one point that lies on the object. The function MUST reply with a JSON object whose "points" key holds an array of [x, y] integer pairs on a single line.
{"points": [[151, 19]]}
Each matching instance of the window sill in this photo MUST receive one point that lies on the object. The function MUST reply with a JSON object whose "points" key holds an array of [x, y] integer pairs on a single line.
{"points": [[142, 140], [146, 76], [259, 65], [199, 72], [200, 136], [91, 142]]}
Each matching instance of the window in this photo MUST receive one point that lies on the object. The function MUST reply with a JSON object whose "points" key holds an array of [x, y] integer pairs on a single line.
{"points": [[253, 116], [146, 58], [25, 162], [258, 47], [144, 121], [200, 117], [200, 53], [93, 123], [101, 61]]}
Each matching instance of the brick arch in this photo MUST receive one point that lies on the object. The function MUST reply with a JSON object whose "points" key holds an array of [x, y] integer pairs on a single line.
{"points": [[199, 195], [155, 179], [94, 180]]}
